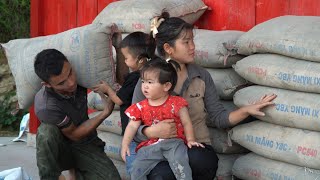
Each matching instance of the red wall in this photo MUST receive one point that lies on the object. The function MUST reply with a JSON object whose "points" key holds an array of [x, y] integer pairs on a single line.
{"points": [[267, 9], [54, 16]]}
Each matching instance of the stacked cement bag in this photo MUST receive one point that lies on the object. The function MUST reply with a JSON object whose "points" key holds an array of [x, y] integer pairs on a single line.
{"points": [[88, 48], [289, 135], [280, 71], [95, 102], [110, 124], [285, 144], [215, 51], [113, 150], [227, 82], [113, 144], [292, 108], [253, 167], [221, 142], [131, 16], [121, 167], [226, 150], [293, 36], [110, 131], [225, 164]]}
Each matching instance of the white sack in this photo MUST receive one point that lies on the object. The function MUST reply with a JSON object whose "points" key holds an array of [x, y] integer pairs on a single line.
{"points": [[226, 161], [293, 36], [95, 102], [88, 49], [111, 124], [227, 82], [294, 146], [221, 143], [292, 108], [136, 15], [280, 71], [254, 167], [121, 167], [113, 144], [216, 49]]}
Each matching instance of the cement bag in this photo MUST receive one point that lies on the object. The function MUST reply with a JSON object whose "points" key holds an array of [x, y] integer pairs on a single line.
{"points": [[131, 16], [111, 124], [221, 143], [95, 102], [14, 174], [293, 36], [229, 105], [216, 49], [113, 144], [280, 71], [293, 109], [88, 49], [254, 167], [227, 82], [121, 167], [295, 146], [224, 171]]}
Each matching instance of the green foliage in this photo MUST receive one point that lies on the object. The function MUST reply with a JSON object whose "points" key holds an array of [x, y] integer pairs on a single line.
{"points": [[8, 120], [14, 19], [2, 57]]}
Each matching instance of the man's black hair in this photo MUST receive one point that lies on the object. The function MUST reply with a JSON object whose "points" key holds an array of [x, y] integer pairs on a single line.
{"points": [[49, 62]]}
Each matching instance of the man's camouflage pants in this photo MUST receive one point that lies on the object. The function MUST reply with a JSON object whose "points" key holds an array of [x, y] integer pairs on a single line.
{"points": [[55, 153]]}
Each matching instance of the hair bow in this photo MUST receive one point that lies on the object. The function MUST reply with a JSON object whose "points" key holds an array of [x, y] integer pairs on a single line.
{"points": [[155, 23]]}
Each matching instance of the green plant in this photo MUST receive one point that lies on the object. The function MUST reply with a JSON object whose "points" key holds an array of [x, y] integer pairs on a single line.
{"points": [[14, 19], [7, 119], [2, 57], [14, 23]]}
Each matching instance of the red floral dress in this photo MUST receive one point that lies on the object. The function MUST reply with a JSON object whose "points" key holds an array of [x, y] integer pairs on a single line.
{"points": [[150, 115]]}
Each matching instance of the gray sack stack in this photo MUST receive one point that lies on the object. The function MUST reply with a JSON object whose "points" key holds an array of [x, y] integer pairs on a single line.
{"points": [[285, 143]]}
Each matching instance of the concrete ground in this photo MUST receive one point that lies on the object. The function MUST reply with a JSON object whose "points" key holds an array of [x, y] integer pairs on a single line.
{"points": [[18, 154]]}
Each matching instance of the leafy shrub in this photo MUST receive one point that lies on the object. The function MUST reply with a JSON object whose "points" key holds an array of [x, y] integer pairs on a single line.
{"points": [[14, 23], [14, 19], [7, 119]]}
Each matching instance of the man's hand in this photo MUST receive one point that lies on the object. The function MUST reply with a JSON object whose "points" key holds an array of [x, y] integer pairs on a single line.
{"points": [[116, 39], [164, 129], [107, 104]]}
